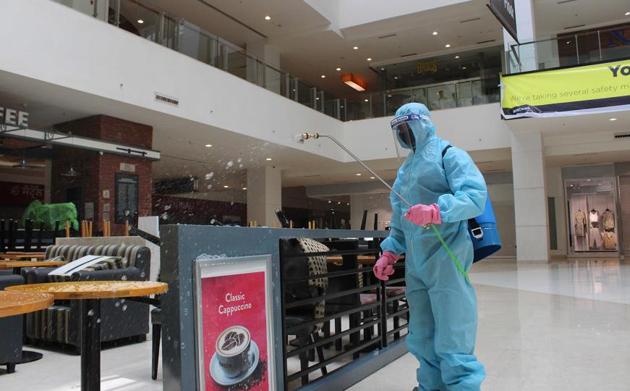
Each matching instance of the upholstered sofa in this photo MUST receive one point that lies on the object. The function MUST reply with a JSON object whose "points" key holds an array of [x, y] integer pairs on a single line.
{"points": [[120, 319]]}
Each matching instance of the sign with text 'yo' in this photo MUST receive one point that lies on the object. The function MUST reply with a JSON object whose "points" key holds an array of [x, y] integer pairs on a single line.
{"points": [[233, 317]]}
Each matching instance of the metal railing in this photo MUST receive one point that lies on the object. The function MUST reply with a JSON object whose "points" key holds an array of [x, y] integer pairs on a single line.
{"points": [[191, 40], [359, 313], [569, 50]]}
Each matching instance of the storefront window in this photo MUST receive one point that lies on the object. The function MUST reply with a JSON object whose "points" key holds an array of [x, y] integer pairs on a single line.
{"points": [[592, 214]]}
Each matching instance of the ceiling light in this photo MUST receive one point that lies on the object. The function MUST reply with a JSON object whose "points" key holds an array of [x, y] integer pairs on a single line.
{"points": [[329, 201], [457, 57], [382, 69], [140, 21], [338, 202], [354, 81], [395, 77], [628, 13], [435, 33], [372, 177], [612, 119], [448, 45], [338, 69], [355, 47], [366, 100], [225, 186], [208, 145], [358, 174], [464, 68], [369, 58], [244, 188], [268, 159], [267, 17], [323, 76], [347, 204]]}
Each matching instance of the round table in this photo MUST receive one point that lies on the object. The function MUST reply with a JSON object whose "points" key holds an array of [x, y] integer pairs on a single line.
{"points": [[19, 303], [17, 265], [90, 293]]}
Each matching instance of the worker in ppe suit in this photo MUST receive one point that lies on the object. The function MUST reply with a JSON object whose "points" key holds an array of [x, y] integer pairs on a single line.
{"points": [[446, 189]]}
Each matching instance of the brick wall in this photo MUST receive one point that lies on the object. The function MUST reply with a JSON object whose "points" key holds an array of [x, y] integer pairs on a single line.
{"points": [[97, 171]]}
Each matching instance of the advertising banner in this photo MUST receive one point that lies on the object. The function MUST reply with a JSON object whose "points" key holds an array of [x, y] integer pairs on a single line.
{"points": [[589, 89], [234, 333], [505, 13]]}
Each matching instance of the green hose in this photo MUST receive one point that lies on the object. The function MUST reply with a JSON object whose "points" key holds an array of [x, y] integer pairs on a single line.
{"points": [[458, 264]]}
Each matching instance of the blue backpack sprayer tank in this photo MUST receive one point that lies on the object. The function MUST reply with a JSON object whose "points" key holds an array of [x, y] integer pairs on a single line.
{"points": [[482, 229]]}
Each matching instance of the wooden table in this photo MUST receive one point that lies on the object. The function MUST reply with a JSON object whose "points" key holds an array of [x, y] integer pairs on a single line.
{"points": [[90, 293], [15, 256], [17, 265], [19, 303], [362, 259]]}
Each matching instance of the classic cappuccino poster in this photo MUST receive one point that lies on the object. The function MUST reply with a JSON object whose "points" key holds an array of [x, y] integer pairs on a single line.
{"points": [[234, 331]]}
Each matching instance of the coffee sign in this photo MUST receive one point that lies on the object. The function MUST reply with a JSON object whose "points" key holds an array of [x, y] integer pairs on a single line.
{"points": [[234, 323], [13, 117]]}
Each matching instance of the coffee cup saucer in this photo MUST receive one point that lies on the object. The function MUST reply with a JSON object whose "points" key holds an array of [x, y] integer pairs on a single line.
{"points": [[221, 378]]}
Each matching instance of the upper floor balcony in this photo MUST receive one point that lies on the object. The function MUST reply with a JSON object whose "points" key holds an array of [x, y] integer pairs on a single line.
{"points": [[443, 82], [567, 50]]}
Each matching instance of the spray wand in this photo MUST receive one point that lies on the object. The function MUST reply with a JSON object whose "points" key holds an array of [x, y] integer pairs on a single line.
{"points": [[301, 138]]}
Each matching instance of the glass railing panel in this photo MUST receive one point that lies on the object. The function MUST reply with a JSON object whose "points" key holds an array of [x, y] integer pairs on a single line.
{"points": [[464, 94], [442, 97], [140, 20], [237, 63], [273, 79], [194, 43]]}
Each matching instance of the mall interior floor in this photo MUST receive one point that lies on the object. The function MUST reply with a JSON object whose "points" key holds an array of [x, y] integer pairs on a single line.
{"points": [[542, 326]]}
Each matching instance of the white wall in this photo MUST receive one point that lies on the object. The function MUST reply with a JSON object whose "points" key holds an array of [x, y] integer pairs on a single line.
{"points": [[471, 128]]}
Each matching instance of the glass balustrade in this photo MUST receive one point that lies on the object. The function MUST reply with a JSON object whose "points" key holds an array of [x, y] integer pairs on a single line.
{"points": [[570, 50]]}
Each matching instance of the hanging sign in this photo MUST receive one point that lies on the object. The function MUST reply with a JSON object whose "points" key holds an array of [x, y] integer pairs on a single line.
{"points": [[505, 12], [588, 89], [234, 323]]}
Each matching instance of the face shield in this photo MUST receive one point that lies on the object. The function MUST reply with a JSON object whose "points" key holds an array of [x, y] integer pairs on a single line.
{"points": [[403, 133]]}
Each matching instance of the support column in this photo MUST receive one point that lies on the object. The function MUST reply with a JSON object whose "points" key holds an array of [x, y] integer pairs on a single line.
{"points": [[264, 195], [526, 30], [530, 196]]}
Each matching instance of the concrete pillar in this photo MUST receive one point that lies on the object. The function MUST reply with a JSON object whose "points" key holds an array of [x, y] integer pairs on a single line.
{"points": [[530, 196], [526, 30], [264, 195], [555, 189]]}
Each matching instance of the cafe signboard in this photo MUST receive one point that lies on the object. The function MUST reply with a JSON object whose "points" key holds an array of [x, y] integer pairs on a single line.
{"points": [[234, 323]]}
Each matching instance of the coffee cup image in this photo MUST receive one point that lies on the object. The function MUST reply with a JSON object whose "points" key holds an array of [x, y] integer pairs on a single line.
{"points": [[236, 356]]}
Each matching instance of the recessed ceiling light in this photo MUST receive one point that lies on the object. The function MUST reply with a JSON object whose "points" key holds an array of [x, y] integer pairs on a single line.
{"points": [[338, 69], [268, 159], [267, 17], [457, 57], [464, 68], [347, 204], [338, 202], [226, 186], [612, 119], [355, 47], [358, 174], [628, 13], [366, 100], [317, 98], [329, 201], [395, 77], [208, 145], [323, 76], [140, 21], [244, 188], [369, 58], [435, 33], [448, 45], [372, 177], [382, 69]]}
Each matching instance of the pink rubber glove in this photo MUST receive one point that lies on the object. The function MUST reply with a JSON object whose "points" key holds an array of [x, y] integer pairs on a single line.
{"points": [[384, 267], [423, 215]]}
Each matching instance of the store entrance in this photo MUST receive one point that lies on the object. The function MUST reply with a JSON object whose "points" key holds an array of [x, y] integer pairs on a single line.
{"points": [[593, 220]]}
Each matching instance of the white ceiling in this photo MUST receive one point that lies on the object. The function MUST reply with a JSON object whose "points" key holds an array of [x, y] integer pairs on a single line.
{"points": [[556, 16]]}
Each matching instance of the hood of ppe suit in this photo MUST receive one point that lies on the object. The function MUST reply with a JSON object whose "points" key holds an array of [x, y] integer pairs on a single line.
{"points": [[423, 130]]}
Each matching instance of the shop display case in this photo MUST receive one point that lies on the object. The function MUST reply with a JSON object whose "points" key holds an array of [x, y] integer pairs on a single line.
{"points": [[592, 219]]}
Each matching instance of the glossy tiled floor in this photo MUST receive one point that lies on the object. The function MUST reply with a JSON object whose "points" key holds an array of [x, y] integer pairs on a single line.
{"points": [[559, 326]]}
